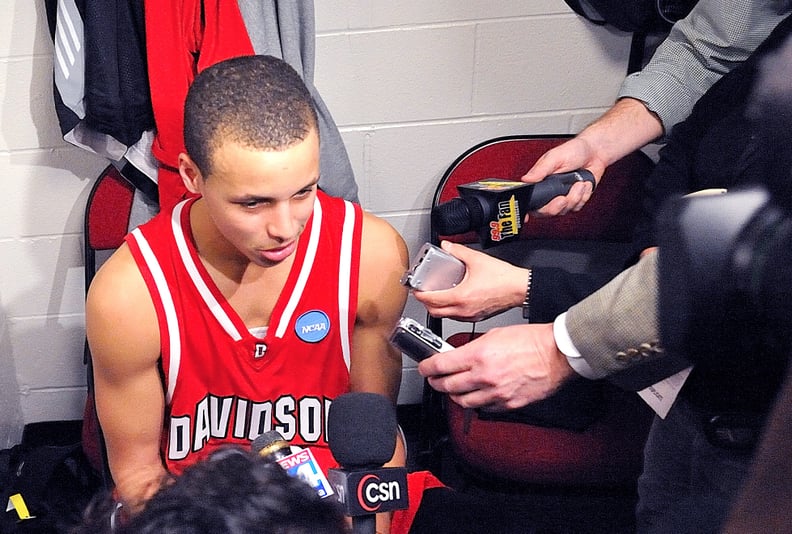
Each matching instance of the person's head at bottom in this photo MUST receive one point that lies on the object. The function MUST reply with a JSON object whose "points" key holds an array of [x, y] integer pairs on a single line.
{"points": [[235, 492]]}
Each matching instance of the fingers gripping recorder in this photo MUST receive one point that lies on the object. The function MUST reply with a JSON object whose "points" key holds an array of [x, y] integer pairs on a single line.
{"points": [[417, 341], [496, 207], [432, 269]]}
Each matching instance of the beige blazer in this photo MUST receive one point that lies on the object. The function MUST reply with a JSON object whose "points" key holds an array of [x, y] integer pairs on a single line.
{"points": [[616, 329]]}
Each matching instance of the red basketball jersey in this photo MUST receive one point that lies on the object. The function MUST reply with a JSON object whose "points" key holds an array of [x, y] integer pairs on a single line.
{"points": [[223, 384]]}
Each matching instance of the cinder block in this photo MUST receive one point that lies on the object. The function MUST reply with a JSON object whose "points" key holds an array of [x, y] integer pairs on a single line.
{"points": [[43, 277], [24, 30], [27, 111], [65, 404], [360, 15], [49, 351], [396, 76], [45, 191], [544, 64], [407, 162]]}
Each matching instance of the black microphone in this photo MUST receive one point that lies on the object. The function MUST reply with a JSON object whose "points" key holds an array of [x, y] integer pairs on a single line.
{"points": [[271, 445], [361, 432], [495, 207]]}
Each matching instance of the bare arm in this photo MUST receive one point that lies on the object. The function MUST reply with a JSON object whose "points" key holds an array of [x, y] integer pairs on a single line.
{"points": [[376, 365], [715, 37], [624, 128], [490, 286], [123, 335]]}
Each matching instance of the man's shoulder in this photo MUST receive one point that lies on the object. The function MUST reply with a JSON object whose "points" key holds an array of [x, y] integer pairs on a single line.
{"points": [[383, 256], [118, 283], [377, 232], [118, 296]]}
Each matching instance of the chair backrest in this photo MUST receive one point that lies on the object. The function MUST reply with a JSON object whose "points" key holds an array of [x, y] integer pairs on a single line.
{"points": [[106, 222], [608, 451]]}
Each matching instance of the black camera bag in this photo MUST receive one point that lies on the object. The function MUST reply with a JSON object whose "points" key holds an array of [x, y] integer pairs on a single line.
{"points": [[636, 16]]}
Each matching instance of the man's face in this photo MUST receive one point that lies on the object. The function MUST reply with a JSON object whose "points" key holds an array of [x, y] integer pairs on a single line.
{"points": [[260, 200]]}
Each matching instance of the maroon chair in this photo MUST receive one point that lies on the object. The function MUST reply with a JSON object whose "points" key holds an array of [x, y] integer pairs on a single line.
{"points": [[106, 223], [609, 452]]}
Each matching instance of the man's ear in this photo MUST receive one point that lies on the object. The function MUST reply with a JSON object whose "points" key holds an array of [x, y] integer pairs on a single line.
{"points": [[190, 174]]}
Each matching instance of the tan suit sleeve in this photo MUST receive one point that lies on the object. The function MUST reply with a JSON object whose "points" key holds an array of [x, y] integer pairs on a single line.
{"points": [[617, 326]]}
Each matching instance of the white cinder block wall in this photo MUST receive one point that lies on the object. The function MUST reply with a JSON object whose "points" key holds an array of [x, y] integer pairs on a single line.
{"points": [[412, 84]]}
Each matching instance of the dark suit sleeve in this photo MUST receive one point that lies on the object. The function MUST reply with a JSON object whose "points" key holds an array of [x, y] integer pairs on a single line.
{"points": [[553, 290]]}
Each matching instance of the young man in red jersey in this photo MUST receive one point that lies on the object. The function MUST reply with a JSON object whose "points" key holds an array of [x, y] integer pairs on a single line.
{"points": [[250, 307]]}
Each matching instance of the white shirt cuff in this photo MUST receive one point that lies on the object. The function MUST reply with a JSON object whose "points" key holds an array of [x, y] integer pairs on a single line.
{"points": [[568, 349]]}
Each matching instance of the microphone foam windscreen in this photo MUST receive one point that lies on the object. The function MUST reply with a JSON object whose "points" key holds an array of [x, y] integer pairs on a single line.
{"points": [[361, 429], [268, 440]]}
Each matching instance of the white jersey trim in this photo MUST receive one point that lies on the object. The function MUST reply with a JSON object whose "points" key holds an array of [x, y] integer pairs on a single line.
{"points": [[305, 270], [200, 284], [345, 280], [171, 318]]}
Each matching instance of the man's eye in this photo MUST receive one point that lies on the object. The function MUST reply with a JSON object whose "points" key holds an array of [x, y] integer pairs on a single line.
{"points": [[304, 193]]}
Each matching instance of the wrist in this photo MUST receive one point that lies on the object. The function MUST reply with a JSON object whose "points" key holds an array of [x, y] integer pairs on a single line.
{"points": [[516, 288], [561, 368], [566, 347], [606, 139]]}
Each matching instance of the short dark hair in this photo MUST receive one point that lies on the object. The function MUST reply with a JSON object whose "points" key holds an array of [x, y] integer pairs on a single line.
{"points": [[233, 492], [259, 102]]}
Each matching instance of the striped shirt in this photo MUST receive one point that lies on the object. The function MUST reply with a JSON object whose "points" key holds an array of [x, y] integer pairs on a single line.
{"points": [[715, 37]]}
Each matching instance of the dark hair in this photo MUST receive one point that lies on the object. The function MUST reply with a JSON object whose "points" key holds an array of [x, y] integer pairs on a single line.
{"points": [[259, 102], [232, 492]]}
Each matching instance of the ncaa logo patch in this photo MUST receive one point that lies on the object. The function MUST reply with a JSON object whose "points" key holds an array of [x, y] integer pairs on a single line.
{"points": [[312, 326]]}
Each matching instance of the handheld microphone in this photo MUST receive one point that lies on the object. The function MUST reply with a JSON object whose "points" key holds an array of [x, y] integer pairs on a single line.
{"points": [[495, 207], [361, 431], [273, 446]]}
